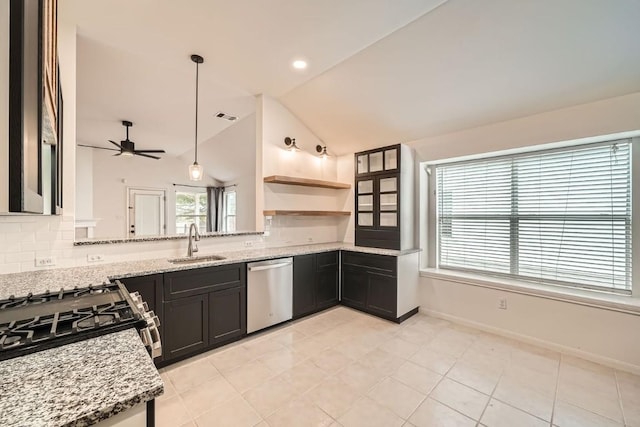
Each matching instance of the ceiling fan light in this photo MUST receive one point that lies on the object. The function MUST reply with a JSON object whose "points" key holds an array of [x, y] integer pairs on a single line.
{"points": [[126, 153], [195, 172]]}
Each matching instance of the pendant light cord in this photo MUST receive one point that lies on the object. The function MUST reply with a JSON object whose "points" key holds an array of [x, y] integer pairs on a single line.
{"points": [[196, 141]]}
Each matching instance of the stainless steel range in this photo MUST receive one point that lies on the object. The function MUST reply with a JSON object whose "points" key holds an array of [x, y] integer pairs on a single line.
{"points": [[37, 322]]}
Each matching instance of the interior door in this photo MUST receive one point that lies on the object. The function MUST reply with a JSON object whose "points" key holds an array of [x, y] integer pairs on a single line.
{"points": [[146, 212]]}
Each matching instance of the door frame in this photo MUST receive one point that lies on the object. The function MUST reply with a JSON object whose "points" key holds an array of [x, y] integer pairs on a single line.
{"points": [[128, 207]]}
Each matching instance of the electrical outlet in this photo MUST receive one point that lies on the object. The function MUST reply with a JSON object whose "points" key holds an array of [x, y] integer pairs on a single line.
{"points": [[248, 244], [95, 257], [502, 303], [45, 261]]}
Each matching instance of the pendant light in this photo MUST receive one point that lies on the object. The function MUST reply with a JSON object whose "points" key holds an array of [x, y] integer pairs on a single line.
{"points": [[195, 170]]}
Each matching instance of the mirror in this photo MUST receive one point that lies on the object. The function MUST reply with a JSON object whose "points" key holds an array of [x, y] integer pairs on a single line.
{"points": [[120, 196]]}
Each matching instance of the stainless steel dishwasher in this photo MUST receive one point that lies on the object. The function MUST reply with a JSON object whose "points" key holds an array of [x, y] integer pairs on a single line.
{"points": [[269, 293]]}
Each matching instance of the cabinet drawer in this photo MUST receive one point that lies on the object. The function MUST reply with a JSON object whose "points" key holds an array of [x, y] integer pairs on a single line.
{"points": [[385, 263], [326, 260], [198, 281]]}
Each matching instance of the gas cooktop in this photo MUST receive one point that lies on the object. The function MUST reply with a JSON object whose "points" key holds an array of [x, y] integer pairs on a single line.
{"points": [[38, 322]]}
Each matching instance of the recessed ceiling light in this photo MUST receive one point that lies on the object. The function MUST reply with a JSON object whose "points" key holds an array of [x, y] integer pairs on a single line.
{"points": [[299, 64]]}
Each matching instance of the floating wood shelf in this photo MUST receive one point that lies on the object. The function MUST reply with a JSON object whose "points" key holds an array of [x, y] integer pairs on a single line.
{"points": [[304, 182], [306, 213]]}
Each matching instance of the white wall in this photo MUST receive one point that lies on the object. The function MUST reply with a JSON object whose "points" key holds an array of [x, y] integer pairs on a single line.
{"points": [[113, 176], [594, 333], [84, 183], [245, 188], [277, 122], [4, 104], [230, 157]]}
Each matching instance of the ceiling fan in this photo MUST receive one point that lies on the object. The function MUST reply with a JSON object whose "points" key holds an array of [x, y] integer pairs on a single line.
{"points": [[127, 147]]}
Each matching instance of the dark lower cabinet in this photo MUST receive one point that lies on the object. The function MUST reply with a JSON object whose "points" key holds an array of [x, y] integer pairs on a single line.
{"points": [[228, 315], [382, 294], [315, 282], [354, 286], [370, 283], [304, 285], [186, 328]]}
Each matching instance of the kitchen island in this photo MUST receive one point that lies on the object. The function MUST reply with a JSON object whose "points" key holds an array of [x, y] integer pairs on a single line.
{"points": [[78, 384]]}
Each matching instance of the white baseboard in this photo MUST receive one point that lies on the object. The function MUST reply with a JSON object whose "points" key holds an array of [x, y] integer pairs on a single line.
{"points": [[607, 361]]}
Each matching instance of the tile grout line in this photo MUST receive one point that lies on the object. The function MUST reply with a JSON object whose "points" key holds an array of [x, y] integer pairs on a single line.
{"points": [[555, 392], [624, 417]]}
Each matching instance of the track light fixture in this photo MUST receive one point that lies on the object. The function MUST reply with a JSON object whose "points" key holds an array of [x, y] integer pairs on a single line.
{"points": [[291, 144]]}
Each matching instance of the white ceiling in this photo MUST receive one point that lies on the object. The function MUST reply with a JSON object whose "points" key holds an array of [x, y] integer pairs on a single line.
{"points": [[380, 71], [133, 58], [470, 63]]}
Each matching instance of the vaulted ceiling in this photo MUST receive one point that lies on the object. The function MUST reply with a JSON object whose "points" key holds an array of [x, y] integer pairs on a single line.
{"points": [[380, 71]]}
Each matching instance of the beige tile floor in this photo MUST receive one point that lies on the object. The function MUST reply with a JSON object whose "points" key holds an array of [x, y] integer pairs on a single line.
{"points": [[345, 368]]}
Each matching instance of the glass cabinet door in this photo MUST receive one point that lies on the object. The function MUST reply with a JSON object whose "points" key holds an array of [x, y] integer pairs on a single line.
{"points": [[388, 202], [391, 159], [365, 203], [375, 162], [363, 163]]}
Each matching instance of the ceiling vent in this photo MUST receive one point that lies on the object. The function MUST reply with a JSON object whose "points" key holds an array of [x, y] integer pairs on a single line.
{"points": [[221, 115]]}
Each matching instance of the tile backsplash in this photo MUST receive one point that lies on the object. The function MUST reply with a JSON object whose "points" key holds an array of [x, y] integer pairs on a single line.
{"points": [[24, 238]]}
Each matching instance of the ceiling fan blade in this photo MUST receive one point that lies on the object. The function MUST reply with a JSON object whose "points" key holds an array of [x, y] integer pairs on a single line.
{"points": [[150, 151], [116, 144], [119, 154], [95, 146], [137, 153]]}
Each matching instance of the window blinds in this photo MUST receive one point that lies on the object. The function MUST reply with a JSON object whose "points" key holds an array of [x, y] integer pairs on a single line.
{"points": [[558, 216]]}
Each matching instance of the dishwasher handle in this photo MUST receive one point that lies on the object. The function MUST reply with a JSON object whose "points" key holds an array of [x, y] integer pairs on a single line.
{"points": [[269, 266]]}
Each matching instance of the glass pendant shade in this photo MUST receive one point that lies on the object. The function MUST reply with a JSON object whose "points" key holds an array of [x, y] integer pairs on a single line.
{"points": [[195, 172]]}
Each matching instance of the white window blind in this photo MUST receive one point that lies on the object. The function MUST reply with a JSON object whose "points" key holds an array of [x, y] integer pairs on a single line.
{"points": [[557, 216]]}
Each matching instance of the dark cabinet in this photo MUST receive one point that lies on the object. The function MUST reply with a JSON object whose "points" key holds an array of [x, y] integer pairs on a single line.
{"points": [[315, 282], [186, 328], [304, 285], [35, 108], [203, 308], [370, 283], [382, 294], [354, 286], [383, 195], [228, 314]]}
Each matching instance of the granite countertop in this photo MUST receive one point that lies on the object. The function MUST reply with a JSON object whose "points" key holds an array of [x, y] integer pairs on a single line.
{"points": [[51, 280], [77, 384]]}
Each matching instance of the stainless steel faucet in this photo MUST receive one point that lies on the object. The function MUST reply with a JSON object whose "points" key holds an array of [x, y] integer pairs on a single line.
{"points": [[193, 248]]}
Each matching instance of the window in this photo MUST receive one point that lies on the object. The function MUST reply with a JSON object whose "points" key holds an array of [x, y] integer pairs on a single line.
{"points": [[557, 216], [190, 208], [230, 211]]}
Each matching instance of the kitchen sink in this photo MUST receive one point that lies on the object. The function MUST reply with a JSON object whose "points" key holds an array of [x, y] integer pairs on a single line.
{"points": [[196, 259]]}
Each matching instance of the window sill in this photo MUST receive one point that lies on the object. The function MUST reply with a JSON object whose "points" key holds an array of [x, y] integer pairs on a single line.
{"points": [[621, 303]]}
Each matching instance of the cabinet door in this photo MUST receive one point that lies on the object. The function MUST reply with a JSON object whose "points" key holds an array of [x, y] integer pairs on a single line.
{"points": [[304, 285], [227, 314], [186, 328], [354, 286], [382, 294], [327, 283]]}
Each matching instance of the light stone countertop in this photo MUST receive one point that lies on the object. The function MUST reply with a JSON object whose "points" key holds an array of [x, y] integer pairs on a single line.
{"points": [[82, 383], [19, 284], [77, 384]]}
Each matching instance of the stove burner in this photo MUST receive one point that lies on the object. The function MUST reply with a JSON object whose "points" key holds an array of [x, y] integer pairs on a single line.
{"points": [[37, 322], [92, 321]]}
